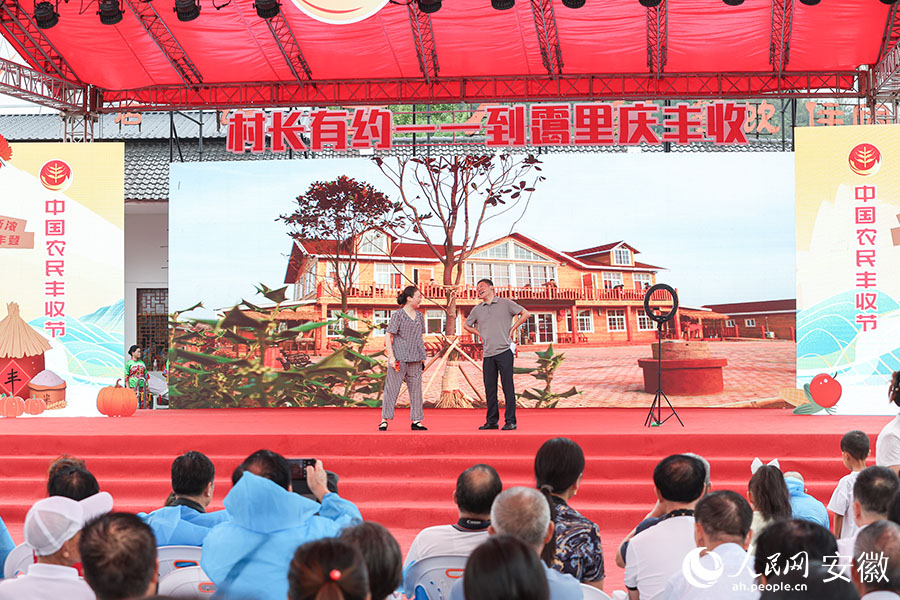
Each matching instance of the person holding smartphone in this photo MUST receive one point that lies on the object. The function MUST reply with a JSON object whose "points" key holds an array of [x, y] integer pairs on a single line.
{"points": [[405, 350]]}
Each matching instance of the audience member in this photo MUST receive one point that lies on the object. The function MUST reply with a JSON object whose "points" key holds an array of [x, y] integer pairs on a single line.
{"points": [[854, 452], [576, 550], [873, 491], [64, 460], [887, 446], [894, 509], [72, 481], [769, 497], [721, 527], [327, 569], [118, 554], [783, 540], [876, 561], [6, 545], [525, 514], [52, 530], [249, 556], [381, 553], [476, 488], [656, 553], [817, 582], [184, 520], [504, 567], [804, 506], [654, 516]]}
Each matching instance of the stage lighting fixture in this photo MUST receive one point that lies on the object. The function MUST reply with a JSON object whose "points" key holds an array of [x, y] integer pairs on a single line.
{"points": [[810, 2], [573, 3], [110, 12], [266, 9], [187, 10], [733, 2], [650, 3], [45, 15], [503, 4], [429, 6]]}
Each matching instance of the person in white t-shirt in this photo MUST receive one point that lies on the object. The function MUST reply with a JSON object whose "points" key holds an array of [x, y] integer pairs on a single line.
{"points": [[476, 488], [721, 565], [656, 553], [887, 447], [854, 452], [52, 530], [873, 491]]}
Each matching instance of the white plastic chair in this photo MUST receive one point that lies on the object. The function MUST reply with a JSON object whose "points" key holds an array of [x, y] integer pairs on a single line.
{"points": [[433, 577], [187, 582], [592, 593], [17, 561], [172, 558]]}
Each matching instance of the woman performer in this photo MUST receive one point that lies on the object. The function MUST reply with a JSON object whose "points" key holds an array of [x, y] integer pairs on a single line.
{"points": [[136, 376], [405, 349]]}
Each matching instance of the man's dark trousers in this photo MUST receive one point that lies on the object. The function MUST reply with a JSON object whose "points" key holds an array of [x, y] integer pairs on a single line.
{"points": [[503, 364]]}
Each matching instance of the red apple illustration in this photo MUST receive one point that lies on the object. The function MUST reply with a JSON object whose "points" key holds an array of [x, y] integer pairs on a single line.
{"points": [[825, 390]]}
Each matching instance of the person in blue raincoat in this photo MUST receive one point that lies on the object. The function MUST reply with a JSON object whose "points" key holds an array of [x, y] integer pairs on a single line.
{"points": [[804, 506], [6, 545], [249, 556], [184, 520]]}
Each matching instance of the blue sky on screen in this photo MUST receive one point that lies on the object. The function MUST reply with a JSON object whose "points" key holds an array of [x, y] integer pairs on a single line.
{"points": [[722, 224]]}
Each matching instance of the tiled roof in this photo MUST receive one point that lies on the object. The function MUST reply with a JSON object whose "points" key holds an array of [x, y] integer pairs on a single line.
{"points": [[49, 127], [738, 308]]}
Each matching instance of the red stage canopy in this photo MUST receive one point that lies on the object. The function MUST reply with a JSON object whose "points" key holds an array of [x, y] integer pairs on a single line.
{"points": [[467, 51]]}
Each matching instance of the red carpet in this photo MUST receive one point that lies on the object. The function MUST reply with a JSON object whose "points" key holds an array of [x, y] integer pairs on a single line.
{"points": [[405, 479]]}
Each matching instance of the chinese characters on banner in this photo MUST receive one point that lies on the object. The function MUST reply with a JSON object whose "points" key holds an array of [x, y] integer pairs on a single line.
{"points": [[13, 234], [505, 126], [865, 197], [54, 267]]}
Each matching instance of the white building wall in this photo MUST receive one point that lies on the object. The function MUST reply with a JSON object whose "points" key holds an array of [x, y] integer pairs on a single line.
{"points": [[146, 256]]}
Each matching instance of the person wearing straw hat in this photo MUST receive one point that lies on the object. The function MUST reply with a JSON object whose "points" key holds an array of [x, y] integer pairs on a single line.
{"points": [[52, 530]]}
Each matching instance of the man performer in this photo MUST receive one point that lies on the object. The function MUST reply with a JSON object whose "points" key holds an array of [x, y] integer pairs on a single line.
{"points": [[493, 321]]}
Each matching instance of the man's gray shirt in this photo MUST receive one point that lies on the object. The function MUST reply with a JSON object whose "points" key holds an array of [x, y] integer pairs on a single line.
{"points": [[493, 322]]}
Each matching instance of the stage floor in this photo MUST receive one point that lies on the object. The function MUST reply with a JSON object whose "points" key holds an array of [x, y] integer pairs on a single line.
{"points": [[405, 479]]}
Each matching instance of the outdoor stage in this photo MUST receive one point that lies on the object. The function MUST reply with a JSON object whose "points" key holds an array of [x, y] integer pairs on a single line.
{"points": [[405, 479]]}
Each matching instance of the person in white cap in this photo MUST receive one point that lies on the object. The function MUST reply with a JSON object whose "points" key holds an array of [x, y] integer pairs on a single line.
{"points": [[52, 529]]}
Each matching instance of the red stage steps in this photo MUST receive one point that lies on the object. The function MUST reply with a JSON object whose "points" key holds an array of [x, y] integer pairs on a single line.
{"points": [[405, 479]]}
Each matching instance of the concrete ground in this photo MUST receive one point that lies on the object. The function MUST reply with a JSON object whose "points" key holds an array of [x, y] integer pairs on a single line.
{"points": [[610, 376]]}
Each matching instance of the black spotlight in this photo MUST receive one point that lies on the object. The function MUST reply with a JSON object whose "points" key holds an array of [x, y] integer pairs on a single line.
{"points": [[650, 3], [429, 6], [733, 2], [45, 15], [573, 3], [503, 4], [266, 9], [187, 10], [810, 2], [110, 12]]}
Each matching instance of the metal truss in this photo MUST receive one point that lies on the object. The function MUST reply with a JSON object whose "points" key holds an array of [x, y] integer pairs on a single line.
{"points": [[290, 49], [886, 75], [30, 41], [32, 85], [642, 86], [548, 36], [160, 33], [423, 39], [780, 37], [79, 128], [657, 36], [891, 37]]}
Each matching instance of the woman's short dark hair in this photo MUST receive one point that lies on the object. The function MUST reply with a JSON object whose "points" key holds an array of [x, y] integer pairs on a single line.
{"points": [[504, 567], [558, 464], [381, 553], [407, 293], [133, 348], [327, 569], [770, 494], [72, 482], [789, 537]]}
